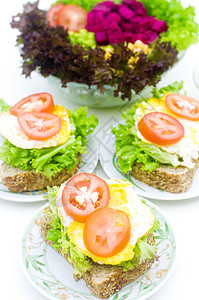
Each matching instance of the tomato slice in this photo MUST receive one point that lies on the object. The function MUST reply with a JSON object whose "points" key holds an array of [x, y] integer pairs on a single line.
{"points": [[183, 106], [160, 128], [72, 17], [39, 126], [41, 102], [84, 193], [107, 231], [52, 14]]}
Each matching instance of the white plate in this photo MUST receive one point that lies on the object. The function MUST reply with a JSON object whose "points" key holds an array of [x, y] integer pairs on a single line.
{"points": [[108, 161], [88, 164], [51, 274]]}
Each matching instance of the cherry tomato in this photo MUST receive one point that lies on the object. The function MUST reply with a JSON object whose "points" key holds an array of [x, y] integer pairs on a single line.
{"points": [[107, 231], [39, 126], [72, 17], [41, 102], [183, 106], [160, 128], [84, 193], [52, 14]]}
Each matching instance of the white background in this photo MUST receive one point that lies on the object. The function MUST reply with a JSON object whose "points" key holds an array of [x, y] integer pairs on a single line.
{"points": [[14, 217]]}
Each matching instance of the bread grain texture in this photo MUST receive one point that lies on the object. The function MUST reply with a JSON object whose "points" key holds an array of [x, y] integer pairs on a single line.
{"points": [[102, 280], [17, 180], [166, 178]]}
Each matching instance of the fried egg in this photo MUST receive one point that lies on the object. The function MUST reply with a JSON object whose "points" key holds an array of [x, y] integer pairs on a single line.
{"points": [[10, 129], [122, 197], [188, 147]]}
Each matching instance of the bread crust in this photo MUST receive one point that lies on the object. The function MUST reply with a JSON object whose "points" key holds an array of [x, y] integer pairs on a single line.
{"points": [[166, 178], [18, 180], [102, 280]]}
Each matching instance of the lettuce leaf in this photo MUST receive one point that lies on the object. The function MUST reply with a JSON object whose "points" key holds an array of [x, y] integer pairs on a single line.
{"points": [[54, 159], [4, 106], [130, 148], [57, 234]]}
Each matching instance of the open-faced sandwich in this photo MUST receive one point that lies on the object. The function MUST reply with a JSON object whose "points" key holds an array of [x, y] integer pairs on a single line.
{"points": [[103, 229], [159, 144], [42, 142]]}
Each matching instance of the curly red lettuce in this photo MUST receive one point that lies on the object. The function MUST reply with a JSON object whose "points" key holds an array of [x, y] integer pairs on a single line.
{"points": [[50, 51]]}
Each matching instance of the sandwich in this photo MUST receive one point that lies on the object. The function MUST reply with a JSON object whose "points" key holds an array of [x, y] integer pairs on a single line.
{"points": [[159, 144], [103, 229], [42, 142]]}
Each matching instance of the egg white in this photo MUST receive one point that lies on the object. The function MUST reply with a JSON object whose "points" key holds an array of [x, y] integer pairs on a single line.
{"points": [[123, 197], [10, 129], [188, 147]]}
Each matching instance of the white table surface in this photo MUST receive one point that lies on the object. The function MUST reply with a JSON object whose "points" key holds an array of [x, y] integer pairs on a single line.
{"points": [[14, 217]]}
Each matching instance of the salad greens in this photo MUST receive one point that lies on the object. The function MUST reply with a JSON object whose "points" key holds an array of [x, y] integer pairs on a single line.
{"points": [[81, 263], [50, 51], [182, 28], [54, 159], [130, 148]]}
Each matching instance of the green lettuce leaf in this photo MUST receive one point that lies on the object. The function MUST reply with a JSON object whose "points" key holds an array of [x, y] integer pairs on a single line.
{"points": [[54, 159], [146, 251], [4, 106], [130, 148], [57, 234], [142, 250]]}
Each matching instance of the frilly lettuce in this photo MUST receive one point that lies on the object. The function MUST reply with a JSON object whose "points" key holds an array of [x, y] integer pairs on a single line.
{"points": [[55, 159], [57, 234], [130, 148]]}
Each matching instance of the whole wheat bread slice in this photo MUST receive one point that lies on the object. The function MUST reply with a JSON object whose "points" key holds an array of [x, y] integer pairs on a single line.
{"points": [[102, 280], [18, 180], [166, 178]]}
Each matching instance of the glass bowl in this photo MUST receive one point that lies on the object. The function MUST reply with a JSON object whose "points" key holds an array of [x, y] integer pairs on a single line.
{"points": [[81, 94]]}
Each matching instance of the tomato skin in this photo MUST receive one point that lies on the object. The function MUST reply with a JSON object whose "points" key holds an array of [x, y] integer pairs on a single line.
{"points": [[107, 231], [73, 188], [161, 129], [31, 101], [183, 106], [52, 14], [72, 17], [39, 126]]}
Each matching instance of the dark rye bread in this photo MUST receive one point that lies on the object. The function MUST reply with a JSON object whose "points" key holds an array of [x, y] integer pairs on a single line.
{"points": [[102, 280], [166, 178], [17, 180]]}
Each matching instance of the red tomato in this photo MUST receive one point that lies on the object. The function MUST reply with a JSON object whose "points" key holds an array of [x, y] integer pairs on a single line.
{"points": [[52, 14], [84, 193], [160, 128], [72, 17], [41, 102], [183, 106], [107, 231], [39, 126]]}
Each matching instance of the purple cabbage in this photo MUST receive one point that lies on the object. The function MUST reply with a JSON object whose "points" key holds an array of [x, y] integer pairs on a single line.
{"points": [[116, 23], [159, 26], [101, 38], [115, 35], [126, 13]]}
